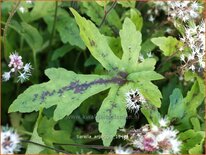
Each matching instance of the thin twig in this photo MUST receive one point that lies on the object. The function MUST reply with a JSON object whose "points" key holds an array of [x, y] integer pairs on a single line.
{"points": [[167, 59], [48, 147], [90, 146], [107, 12], [11, 14]]}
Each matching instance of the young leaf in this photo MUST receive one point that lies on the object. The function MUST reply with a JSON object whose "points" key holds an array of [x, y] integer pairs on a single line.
{"points": [[130, 40], [176, 107], [136, 18], [65, 89], [168, 45], [112, 115], [96, 43]]}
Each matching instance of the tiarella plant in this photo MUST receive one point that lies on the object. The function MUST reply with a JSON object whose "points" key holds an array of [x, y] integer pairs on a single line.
{"points": [[67, 90], [123, 77]]}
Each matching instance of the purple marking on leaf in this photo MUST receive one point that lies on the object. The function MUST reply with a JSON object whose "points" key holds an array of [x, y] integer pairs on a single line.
{"points": [[35, 97], [79, 88]]}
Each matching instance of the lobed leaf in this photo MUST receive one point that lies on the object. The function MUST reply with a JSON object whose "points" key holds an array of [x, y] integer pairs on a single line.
{"points": [[112, 114], [131, 44], [65, 89], [96, 43], [168, 45]]}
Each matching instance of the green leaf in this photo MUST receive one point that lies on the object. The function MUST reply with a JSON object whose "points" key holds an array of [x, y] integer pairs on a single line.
{"points": [[60, 52], [67, 28], [144, 76], [168, 45], [196, 123], [32, 148], [147, 65], [131, 40], [127, 3], [115, 45], [96, 43], [152, 115], [136, 18], [176, 108], [112, 114], [192, 101], [50, 135], [30, 34], [42, 9], [188, 76], [65, 89], [147, 45], [102, 3], [150, 92], [193, 141], [96, 13]]}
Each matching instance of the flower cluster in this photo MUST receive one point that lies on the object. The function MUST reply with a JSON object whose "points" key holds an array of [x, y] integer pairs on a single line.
{"points": [[10, 141], [17, 66], [22, 9], [134, 100], [183, 10], [121, 150], [194, 38], [176, 10], [156, 139]]}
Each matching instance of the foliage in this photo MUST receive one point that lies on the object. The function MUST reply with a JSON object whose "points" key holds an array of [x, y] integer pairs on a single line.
{"points": [[86, 57]]}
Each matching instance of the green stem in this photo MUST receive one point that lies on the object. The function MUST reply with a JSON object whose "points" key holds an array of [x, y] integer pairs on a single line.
{"points": [[54, 24], [25, 132], [35, 65]]}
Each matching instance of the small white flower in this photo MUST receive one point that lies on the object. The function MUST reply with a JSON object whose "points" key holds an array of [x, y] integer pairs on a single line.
{"points": [[191, 57], [10, 141], [23, 77], [176, 144], [22, 9], [168, 30], [195, 6], [149, 55], [154, 128], [141, 58], [182, 57], [181, 49], [181, 78], [27, 68], [202, 64], [151, 18], [134, 100], [121, 150], [163, 122], [6, 76], [29, 1], [138, 143], [192, 67]]}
